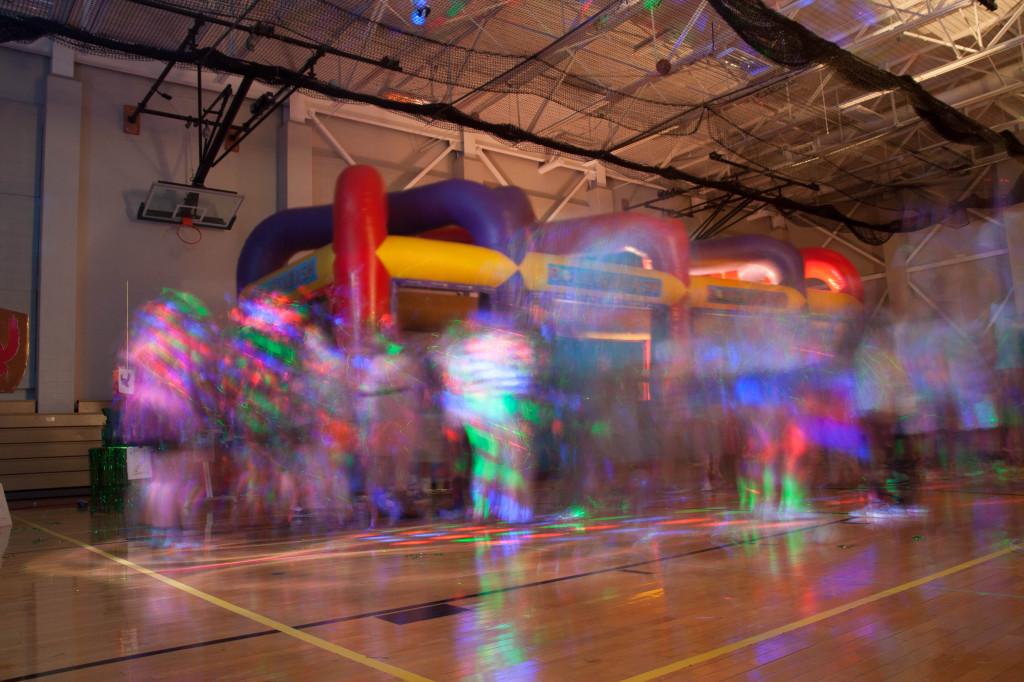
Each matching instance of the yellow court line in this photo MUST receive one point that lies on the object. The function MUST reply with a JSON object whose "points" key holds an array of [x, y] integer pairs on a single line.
{"points": [[341, 651], [810, 620]]}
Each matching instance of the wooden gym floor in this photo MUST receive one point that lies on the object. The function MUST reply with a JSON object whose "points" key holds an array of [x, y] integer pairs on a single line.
{"points": [[688, 591]]}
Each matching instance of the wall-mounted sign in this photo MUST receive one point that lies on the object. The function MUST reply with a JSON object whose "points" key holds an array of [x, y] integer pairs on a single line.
{"points": [[603, 280], [140, 463], [13, 349], [735, 295], [302, 274], [566, 274], [747, 297]]}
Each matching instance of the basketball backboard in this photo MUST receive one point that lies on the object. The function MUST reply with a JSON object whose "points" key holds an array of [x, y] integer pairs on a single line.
{"points": [[170, 202]]}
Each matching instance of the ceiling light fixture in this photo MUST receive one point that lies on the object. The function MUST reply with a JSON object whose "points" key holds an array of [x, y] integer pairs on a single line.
{"points": [[420, 12]]}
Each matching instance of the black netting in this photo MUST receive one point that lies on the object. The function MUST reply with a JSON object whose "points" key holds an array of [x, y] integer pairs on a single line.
{"points": [[588, 79], [19, 34], [787, 42]]}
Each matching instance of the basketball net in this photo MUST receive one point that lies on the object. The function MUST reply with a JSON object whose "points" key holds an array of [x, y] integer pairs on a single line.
{"points": [[186, 221]]}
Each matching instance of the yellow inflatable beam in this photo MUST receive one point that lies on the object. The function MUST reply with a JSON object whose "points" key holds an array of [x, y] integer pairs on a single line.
{"points": [[832, 303], [430, 260], [411, 258]]}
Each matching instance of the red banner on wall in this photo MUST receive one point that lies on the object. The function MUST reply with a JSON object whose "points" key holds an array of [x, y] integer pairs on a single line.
{"points": [[13, 349]]}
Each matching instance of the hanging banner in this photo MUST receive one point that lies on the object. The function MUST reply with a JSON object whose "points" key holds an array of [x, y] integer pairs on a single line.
{"points": [[13, 349], [139, 463], [125, 381]]}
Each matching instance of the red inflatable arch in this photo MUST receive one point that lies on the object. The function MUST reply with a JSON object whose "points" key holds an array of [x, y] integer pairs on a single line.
{"points": [[834, 269], [362, 286]]}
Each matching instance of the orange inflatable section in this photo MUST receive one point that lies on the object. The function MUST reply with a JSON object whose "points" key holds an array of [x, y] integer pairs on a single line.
{"points": [[834, 269]]}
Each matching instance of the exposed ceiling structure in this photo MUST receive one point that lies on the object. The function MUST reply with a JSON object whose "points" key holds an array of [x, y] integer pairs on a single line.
{"points": [[659, 84]]}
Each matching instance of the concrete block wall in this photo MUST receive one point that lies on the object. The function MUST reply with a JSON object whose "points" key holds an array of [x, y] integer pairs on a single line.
{"points": [[22, 94], [116, 171]]}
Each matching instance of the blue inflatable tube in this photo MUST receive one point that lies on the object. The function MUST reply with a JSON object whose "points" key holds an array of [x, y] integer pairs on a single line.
{"points": [[490, 216], [784, 256], [278, 238], [493, 217]]}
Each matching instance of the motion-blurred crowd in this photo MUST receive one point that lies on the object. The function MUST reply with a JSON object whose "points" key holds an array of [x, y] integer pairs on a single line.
{"points": [[272, 411]]}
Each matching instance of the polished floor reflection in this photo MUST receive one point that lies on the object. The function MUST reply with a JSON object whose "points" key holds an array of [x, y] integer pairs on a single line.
{"points": [[689, 589]]}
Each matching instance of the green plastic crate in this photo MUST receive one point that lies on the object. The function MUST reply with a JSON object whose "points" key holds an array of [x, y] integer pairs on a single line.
{"points": [[108, 477]]}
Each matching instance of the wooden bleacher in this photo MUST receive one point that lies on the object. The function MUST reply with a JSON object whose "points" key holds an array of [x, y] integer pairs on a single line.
{"points": [[47, 452]]}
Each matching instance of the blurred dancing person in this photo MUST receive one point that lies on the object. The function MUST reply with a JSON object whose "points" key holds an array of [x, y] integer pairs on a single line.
{"points": [[489, 378], [389, 391], [172, 407]]}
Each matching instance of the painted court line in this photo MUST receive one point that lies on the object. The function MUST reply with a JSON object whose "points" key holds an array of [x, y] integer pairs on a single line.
{"points": [[341, 651], [810, 620], [381, 612]]}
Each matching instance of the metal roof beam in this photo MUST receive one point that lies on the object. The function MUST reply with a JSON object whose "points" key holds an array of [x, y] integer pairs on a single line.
{"points": [[752, 89]]}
